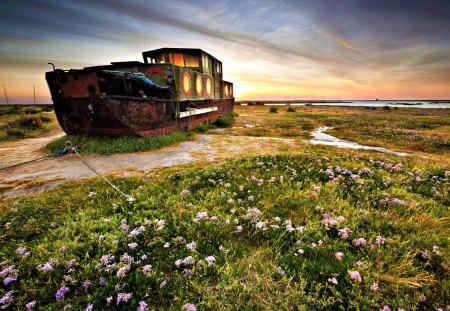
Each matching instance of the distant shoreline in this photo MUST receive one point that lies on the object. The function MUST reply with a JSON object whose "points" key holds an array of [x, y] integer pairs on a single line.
{"points": [[301, 101]]}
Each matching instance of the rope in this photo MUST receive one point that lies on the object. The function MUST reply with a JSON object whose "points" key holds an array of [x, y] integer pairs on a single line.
{"points": [[57, 153], [74, 149]]}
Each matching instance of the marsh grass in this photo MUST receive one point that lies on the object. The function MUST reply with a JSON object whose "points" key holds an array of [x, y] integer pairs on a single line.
{"points": [[107, 145], [283, 204], [25, 122], [405, 129]]}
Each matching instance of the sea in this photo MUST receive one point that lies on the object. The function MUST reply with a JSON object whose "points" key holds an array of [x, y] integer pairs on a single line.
{"points": [[372, 103]]}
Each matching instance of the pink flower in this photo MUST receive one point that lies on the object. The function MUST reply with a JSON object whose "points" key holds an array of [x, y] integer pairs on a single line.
{"points": [[374, 287], [123, 271], [189, 307], [184, 192], [142, 306], [359, 242], [385, 308], [354, 275], [339, 255], [210, 260]]}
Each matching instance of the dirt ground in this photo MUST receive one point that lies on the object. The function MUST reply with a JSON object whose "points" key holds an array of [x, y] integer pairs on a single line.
{"points": [[38, 176]]}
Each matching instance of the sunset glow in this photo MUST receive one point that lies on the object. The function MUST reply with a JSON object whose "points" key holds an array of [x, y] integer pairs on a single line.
{"points": [[269, 49]]}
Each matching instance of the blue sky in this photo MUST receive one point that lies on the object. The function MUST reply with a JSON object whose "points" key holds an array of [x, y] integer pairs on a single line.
{"points": [[270, 49]]}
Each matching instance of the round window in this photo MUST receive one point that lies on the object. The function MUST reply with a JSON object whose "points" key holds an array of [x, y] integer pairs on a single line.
{"points": [[208, 86], [186, 84], [198, 85]]}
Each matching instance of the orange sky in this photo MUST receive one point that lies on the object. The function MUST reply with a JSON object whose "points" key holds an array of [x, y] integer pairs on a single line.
{"points": [[270, 49]]}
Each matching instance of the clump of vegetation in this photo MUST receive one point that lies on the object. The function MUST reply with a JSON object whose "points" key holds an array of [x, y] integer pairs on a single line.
{"points": [[108, 145], [323, 231], [45, 118], [27, 122], [291, 109], [273, 109], [16, 133], [8, 110], [226, 120], [202, 128], [30, 122], [47, 108], [30, 110]]}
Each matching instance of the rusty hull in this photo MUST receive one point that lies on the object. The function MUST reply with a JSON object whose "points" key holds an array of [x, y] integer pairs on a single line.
{"points": [[116, 116]]}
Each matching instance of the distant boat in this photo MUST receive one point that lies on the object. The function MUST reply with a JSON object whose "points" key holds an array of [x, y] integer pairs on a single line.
{"points": [[174, 89]]}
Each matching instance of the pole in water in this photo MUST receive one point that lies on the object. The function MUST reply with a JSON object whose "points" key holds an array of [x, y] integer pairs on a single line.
{"points": [[6, 96], [34, 91]]}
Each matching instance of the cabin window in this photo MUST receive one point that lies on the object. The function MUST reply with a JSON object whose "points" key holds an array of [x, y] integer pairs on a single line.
{"points": [[205, 61], [156, 59], [219, 68], [191, 60], [177, 59]]}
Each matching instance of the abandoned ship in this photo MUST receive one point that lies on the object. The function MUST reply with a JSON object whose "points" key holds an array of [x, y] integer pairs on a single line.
{"points": [[173, 89]]}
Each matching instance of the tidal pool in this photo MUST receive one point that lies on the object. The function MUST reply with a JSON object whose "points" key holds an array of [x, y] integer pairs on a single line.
{"points": [[320, 138]]}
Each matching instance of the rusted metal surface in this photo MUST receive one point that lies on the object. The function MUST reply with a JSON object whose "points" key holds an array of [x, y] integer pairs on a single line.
{"points": [[111, 101]]}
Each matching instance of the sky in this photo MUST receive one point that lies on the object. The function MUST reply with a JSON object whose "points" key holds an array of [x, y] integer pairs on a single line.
{"points": [[303, 49]]}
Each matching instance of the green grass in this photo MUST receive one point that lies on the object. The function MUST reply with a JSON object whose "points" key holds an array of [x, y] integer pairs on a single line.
{"points": [[106, 145], [403, 129], [18, 122], [226, 120], [401, 210]]}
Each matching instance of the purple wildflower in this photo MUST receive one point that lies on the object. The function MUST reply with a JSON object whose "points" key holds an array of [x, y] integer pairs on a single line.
{"points": [[9, 279], [132, 245], [354, 275], [142, 306], [339, 255], [385, 308], [189, 307], [359, 242], [30, 305], [46, 267], [184, 192], [191, 246], [333, 280], [189, 260], [21, 250], [86, 284], [122, 297], [61, 292], [123, 271], [210, 260], [147, 269], [89, 307], [101, 281], [374, 287], [6, 300], [344, 233]]}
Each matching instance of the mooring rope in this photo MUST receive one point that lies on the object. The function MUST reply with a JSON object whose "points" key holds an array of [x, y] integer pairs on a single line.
{"points": [[74, 149], [57, 153]]}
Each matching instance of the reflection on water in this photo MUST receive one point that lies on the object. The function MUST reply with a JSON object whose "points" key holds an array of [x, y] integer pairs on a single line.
{"points": [[320, 138], [373, 103]]}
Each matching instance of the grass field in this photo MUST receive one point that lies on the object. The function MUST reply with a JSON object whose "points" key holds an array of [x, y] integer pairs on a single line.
{"points": [[19, 122], [314, 228]]}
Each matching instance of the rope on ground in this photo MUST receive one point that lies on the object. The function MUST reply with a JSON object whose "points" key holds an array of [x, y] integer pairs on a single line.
{"points": [[74, 149], [57, 153]]}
